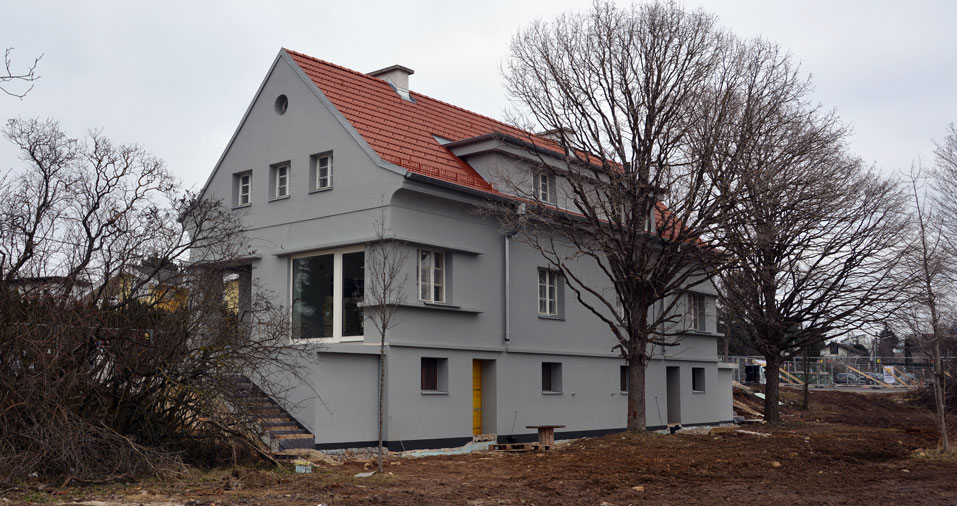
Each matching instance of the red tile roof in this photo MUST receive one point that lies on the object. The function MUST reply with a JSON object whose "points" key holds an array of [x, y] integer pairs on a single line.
{"points": [[399, 131]]}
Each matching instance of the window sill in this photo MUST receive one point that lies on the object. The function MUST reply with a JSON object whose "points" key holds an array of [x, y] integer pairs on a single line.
{"points": [[433, 392], [555, 317], [443, 307], [320, 190], [551, 393], [697, 391], [242, 206], [276, 199], [327, 340]]}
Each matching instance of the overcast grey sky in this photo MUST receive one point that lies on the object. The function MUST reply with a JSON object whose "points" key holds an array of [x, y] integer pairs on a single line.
{"points": [[176, 76]]}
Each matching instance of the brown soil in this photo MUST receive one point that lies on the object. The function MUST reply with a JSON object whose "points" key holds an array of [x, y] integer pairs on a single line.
{"points": [[850, 448]]}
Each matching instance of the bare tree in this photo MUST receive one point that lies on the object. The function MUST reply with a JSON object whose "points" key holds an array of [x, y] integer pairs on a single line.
{"points": [[26, 77], [641, 103], [931, 265], [116, 348], [810, 234], [384, 293]]}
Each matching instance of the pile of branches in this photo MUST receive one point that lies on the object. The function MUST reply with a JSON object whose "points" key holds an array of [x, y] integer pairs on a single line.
{"points": [[99, 394], [118, 349]]}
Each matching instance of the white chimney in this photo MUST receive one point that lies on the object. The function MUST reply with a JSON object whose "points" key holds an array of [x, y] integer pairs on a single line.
{"points": [[398, 77]]}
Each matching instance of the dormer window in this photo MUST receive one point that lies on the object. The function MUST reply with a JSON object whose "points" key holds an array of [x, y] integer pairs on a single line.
{"points": [[545, 188]]}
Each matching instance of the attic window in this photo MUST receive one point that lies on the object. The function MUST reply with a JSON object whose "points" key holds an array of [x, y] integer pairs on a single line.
{"points": [[282, 103]]}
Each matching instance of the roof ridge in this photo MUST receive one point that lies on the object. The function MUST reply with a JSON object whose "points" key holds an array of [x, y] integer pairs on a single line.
{"points": [[324, 62], [420, 94]]}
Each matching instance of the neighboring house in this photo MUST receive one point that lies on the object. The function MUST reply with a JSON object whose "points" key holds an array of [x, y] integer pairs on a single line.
{"points": [[51, 285], [843, 350], [488, 339], [165, 288]]}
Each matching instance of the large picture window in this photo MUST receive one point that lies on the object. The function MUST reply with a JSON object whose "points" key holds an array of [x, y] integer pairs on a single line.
{"points": [[327, 293]]}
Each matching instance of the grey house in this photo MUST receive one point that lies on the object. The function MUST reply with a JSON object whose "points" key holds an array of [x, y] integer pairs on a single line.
{"points": [[487, 342]]}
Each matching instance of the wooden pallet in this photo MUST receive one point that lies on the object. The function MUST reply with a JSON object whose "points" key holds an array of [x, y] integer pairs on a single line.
{"points": [[519, 447]]}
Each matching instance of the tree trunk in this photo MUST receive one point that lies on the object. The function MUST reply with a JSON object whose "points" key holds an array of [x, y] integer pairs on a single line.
{"points": [[771, 390], [636, 393], [939, 395], [381, 394], [806, 404]]}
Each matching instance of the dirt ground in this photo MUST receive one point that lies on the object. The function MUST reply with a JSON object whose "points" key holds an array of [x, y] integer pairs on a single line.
{"points": [[851, 448]]}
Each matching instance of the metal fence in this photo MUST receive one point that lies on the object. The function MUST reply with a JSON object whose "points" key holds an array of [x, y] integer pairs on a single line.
{"points": [[877, 372]]}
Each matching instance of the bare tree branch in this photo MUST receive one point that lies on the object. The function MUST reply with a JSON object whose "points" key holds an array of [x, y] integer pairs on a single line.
{"points": [[24, 77]]}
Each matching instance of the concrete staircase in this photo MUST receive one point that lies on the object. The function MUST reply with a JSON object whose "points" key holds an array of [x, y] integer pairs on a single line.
{"points": [[284, 432]]}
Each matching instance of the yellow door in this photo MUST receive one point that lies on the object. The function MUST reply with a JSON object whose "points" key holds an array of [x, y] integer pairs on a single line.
{"points": [[476, 397]]}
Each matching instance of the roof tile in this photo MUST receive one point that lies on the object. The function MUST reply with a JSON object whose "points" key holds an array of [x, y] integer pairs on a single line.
{"points": [[401, 132]]}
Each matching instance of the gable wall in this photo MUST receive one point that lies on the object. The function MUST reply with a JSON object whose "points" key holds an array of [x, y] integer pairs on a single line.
{"points": [[306, 128]]}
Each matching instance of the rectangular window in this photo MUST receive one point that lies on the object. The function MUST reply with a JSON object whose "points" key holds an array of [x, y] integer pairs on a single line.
{"points": [[623, 378], [243, 189], [327, 292], [353, 290], [431, 276], [434, 377], [697, 379], [547, 292], [320, 168], [551, 377], [545, 188], [281, 181], [695, 312]]}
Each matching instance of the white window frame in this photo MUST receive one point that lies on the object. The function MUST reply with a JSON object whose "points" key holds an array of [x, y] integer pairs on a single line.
{"points": [[337, 336], [282, 181], [548, 301], [544, 190], [244, 198], [319, 177], [433, 277], [694, 312]]}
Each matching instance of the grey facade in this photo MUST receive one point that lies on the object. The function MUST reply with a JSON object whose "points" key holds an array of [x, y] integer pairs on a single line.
{"points": [[472, 327]]}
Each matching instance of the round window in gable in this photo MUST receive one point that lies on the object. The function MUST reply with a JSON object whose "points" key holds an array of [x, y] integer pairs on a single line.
{"points": [[282, 103]]}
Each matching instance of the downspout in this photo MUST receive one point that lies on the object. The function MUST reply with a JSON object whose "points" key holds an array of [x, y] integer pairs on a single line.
{"points": [[507, 290], [508, 278]]}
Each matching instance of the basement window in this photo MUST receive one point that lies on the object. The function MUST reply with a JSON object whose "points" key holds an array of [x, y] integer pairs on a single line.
{"points": [[435, 374], [551, 377]]}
